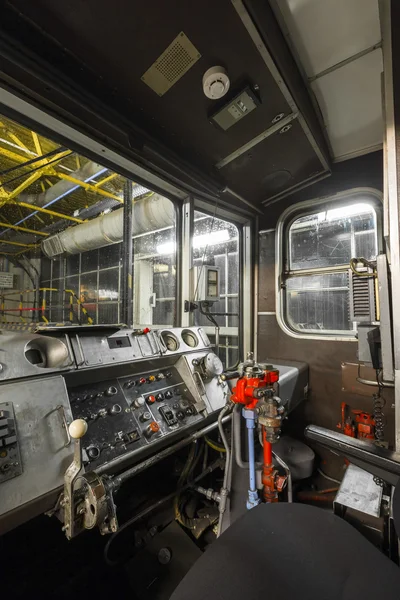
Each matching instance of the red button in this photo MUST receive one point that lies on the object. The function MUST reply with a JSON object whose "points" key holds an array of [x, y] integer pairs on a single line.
{"points": [[154, 427], [151, 399], [142, 380], [146, 330]]}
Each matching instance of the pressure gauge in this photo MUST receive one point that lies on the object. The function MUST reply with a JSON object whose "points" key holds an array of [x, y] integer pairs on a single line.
{"points": [[170, 340], [190, 338]]}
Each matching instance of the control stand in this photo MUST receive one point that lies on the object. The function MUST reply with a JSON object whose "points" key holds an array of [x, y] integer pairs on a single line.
{"points": [[87, 499]]}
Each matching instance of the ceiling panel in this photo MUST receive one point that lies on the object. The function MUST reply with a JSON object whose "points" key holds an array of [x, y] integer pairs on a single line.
{"points": [[274, 166], [100, 54], [326, 32], [351, 103]]}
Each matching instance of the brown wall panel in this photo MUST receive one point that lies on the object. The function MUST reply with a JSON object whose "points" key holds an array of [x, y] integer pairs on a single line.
{"points": [[324, 357]]}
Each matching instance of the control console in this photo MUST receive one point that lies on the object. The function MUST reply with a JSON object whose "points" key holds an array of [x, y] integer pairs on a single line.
{"points": [[131, 412]]}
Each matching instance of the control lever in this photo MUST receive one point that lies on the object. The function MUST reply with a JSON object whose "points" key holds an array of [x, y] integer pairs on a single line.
{"points": [[88, 498], [229, 375], [77, 430]]}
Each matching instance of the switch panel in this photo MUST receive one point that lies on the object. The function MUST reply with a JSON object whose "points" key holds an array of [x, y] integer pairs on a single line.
{"points": [[10, 459], [131, 412]]}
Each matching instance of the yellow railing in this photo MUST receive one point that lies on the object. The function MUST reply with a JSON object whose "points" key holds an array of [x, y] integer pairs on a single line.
{"points": [[44, 306]]}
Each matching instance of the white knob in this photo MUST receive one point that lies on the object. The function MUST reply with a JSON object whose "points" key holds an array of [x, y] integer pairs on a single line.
{"points": [[139, 402], [77, 429]]}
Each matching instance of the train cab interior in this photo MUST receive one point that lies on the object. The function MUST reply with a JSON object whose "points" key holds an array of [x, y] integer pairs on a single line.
{"points": [[199, 331]]}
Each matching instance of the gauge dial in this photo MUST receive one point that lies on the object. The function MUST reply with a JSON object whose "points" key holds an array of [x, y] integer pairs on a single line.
{"points": [[170, 340], [190, 338]]}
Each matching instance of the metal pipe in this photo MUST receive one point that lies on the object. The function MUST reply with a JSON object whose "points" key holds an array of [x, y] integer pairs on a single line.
{"points": [[24, 229], [285, 466], [152, 460], [127, 265], [225, 487], [252, 499], [53, 213], [250, 441], [148, 214]]}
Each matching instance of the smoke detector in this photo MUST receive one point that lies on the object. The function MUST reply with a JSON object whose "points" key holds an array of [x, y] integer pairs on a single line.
{"points": [[216, 83]]}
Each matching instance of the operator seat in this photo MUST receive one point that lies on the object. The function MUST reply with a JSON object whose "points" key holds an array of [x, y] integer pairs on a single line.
{"points": [[287, 552]]}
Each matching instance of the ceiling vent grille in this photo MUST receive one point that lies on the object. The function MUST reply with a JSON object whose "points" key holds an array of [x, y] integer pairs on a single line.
{"points": [[173, 63], [362, 298]]}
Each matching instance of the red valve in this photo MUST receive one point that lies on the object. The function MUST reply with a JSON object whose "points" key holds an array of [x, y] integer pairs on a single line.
{"points": [[246, 390], [271, 377], [146, 330], [151, 399]]}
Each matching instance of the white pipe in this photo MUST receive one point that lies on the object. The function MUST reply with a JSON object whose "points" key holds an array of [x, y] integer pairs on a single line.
{"points": [[63, 187], [149, 214]]}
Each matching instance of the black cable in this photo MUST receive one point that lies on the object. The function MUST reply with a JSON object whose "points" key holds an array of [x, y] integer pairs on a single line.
{"points": [[33, 160], [34, 170]]}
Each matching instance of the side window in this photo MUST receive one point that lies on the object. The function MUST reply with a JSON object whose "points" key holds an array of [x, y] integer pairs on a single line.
{"points": [[316, 251], [94, 277], [216, 242]]}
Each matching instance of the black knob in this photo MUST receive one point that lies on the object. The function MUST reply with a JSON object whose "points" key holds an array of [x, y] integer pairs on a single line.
{"points": [[168, 394], [93, 452], [168, 374], [160, 397], [180, 415]]}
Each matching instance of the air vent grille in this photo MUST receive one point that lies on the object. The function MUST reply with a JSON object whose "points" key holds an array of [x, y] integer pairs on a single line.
{"points": [[361, 297], [52, 246], [173, 63], [362, 306]]}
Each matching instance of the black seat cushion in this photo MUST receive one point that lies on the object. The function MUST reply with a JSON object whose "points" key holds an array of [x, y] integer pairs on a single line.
{"points": [[289, 552]]}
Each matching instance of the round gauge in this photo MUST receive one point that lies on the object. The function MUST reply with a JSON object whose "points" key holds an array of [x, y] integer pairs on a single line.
{"points": [[170, 340], [190, 338]]}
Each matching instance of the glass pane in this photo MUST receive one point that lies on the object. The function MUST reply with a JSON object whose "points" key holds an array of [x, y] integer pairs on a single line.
{"points": [[108, 285], [329, 238], [88, 289], [216, 243], [233, 273], [89, 260], [109, 256], [73, 264], [58, 269], [108, 313], [45, 273], [154, 274], [319, 302], [233, 307]]}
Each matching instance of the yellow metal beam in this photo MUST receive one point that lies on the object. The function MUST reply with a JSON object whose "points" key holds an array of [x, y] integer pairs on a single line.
{"points": [[35, 176], [12, 155], [17, 141], [47, 211], [36, 142], [18, 244], [87, 186], [24, 229], [105, 180]]}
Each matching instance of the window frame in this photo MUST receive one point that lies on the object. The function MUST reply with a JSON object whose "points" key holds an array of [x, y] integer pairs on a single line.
{"points": [[365, 195], [245, 224]]}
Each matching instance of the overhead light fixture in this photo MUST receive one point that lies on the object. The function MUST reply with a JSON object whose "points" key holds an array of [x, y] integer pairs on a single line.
{"points": [[199, 241], [345, 211], [210, 239]]}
